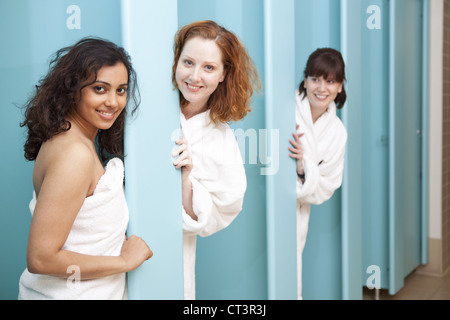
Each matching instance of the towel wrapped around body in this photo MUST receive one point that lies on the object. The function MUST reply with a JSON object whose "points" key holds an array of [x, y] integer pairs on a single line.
{"points": [[323, 143], [99, 229], [218, 184]]}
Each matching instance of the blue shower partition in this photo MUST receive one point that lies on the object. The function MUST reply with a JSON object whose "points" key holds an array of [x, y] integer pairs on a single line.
{"points": [[393, 208], [375, 141], [425, 128], [351, 26], [152, 184], [405, 125], [246, 253], [31, 32], [318, 25], [378, 217], [238, 253], [279, 39]]}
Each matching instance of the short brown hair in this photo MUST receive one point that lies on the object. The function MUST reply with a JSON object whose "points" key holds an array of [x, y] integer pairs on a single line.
{"points": [[231, 100], [329, 64]]}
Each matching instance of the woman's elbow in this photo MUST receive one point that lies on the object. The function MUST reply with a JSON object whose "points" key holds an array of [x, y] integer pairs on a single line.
{"points": [[36, 263], [34, 266]]}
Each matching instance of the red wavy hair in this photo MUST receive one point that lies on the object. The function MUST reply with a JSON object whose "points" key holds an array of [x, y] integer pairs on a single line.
{"points": [[231, 100]]}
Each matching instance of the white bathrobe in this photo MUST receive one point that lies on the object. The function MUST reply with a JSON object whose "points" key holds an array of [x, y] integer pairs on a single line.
{"points": [[218, 183], [323, 144], [99, 229]]}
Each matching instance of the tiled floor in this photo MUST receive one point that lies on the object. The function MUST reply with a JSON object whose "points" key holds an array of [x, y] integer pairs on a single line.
{"points": [[417, 287]]}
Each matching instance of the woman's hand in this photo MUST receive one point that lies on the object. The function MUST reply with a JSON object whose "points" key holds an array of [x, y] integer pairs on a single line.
{"points": [[297, 151], [135, 252], [184, 160]]}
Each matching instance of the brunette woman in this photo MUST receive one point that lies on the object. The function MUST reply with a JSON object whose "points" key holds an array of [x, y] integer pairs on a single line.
{"points": [[320, 139], [77, 247]]}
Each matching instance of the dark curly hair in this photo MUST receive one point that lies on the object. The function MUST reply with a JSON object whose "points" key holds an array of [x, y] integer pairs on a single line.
{"points": [[69, 69]]}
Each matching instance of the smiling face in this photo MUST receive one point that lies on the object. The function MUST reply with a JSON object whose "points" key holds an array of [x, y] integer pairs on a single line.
{"points": [[321, 92], [102, 101], [199, 71]]}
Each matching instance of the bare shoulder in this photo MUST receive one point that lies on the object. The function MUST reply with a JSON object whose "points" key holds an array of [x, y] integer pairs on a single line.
{"points": [[64, 159]]}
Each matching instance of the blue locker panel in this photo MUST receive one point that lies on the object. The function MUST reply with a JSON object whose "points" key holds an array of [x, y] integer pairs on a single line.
{"points": [[352, 183], [375, 146], [405, 112], [392, 151], [425, 128], [378, 217], [317, 25], [153, 185], [279, 24], [237, 254], [31, 31]]}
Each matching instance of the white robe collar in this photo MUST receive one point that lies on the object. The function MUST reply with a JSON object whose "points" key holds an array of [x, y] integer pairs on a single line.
{"points": [[304, 111]]}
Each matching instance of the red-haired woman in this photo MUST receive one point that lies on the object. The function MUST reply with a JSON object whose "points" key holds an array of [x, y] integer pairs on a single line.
{"points": [[320, 139], [215, 77]]}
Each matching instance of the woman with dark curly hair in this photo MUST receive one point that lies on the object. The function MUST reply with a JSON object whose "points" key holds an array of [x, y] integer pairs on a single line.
{"points": [[215, 78], [77, 247]]}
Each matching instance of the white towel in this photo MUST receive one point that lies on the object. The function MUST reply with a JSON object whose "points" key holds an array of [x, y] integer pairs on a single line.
{"points": [[324, 145], [99, 229], [218, 183]]}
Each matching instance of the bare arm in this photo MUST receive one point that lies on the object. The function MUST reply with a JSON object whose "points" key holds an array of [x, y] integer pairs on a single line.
{"points": [[66, 181]]}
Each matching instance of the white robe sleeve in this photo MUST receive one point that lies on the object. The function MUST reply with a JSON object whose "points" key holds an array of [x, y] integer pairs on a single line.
{"points": [[323, 176], [218, 183]]}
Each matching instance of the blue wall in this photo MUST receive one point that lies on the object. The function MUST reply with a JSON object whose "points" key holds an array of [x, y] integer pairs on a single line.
{"points": [[152, 184], [321, 265], [253, 258], [375, 149], [31, 31], [239, 268]]}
